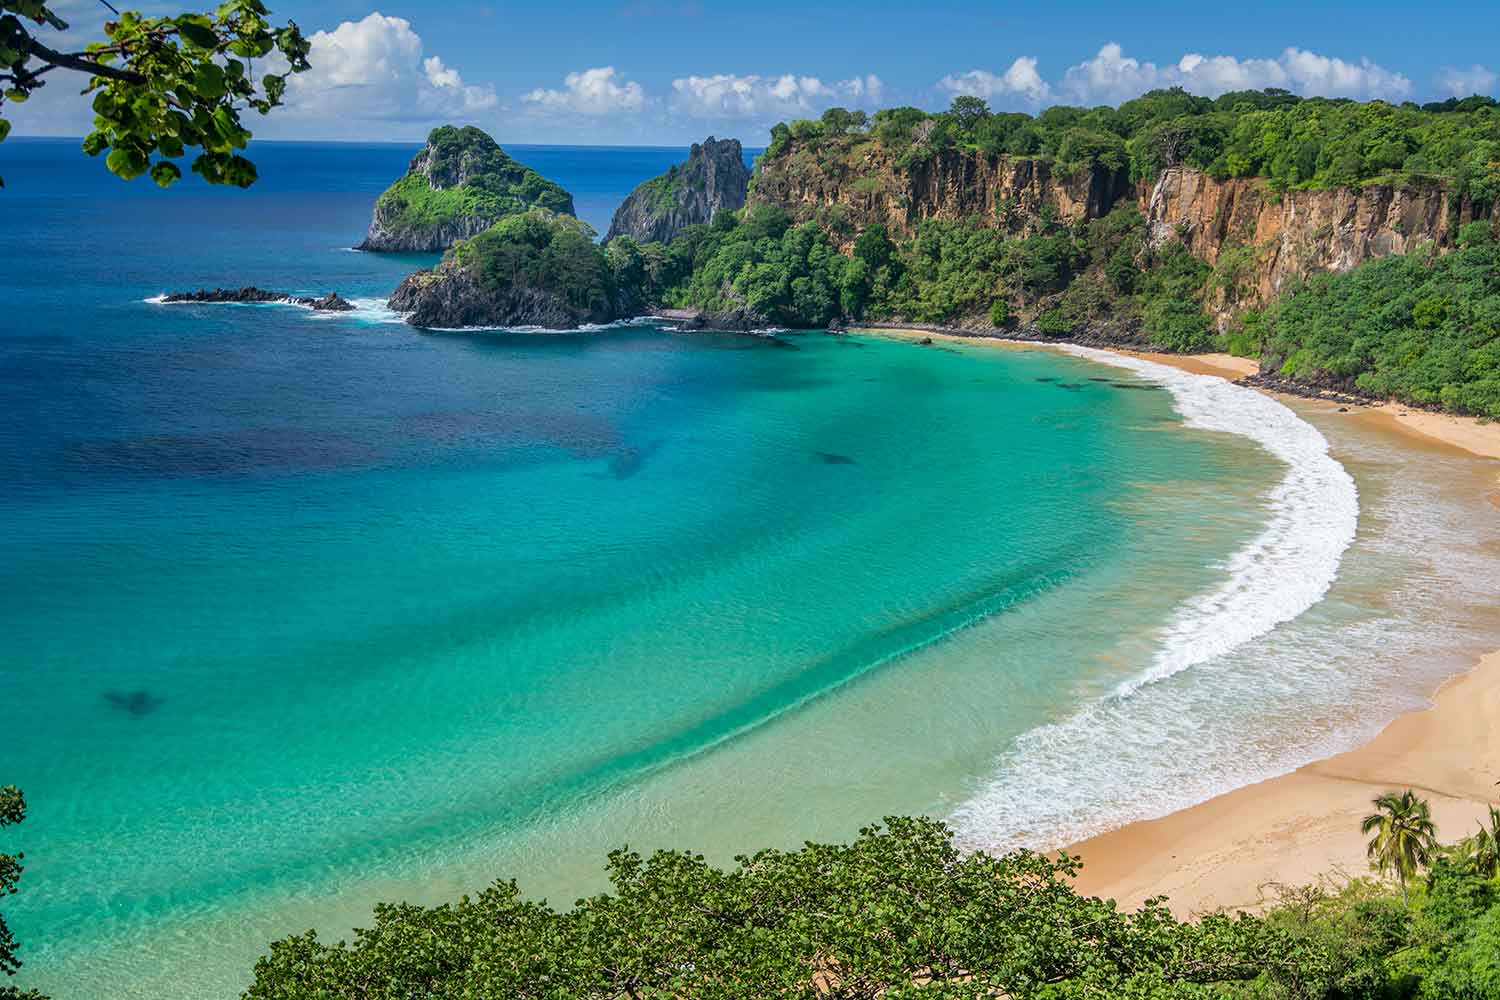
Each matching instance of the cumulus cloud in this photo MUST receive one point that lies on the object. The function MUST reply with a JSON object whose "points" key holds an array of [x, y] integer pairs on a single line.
{"points": [[590, 92], [375, 69], [726, 95], [1021, 81], [1112, 76], [1457, 82]]}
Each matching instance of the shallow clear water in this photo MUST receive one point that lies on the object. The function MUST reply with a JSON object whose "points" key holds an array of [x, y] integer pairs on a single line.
{"points": [[303, 612]]}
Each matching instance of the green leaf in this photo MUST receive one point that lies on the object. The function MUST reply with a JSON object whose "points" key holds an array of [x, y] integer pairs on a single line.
{"points": [[208, 81], [195, 31], [126, 163], [16, 95], [165, 174], [4, 129], [95, 143]]}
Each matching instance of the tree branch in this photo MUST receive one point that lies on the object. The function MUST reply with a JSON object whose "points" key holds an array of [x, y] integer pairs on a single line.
{"points": [[84, 65]]}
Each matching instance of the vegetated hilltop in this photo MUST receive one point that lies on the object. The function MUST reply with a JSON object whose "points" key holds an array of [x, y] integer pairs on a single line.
{"points": [[538, 268], [460, 184], [714, 178]]}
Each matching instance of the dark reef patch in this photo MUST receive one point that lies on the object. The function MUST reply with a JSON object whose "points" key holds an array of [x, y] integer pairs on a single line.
{"points": [[833, 458], [137, 704]]}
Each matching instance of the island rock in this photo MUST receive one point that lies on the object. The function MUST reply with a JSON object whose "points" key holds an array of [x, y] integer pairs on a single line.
{"points": [[459, 185], [535, 269], [713, 178]]}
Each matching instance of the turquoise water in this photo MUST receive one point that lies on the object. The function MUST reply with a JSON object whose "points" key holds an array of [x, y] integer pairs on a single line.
{"points": [[306, 612]]}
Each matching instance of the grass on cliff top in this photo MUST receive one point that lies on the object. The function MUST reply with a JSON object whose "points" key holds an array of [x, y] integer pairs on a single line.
{"points": [[496, 186]]}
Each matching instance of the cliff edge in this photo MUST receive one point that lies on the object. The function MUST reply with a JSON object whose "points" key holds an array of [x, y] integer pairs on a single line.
{"points": [[714, 178]]}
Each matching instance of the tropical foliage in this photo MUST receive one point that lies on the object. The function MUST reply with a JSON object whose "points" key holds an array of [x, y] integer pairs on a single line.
{"points": [[1423, 328], [1402, 837], [468, 176], [160, 85], [12, 811], [545, 251], [1289, 140], [901, 912]]}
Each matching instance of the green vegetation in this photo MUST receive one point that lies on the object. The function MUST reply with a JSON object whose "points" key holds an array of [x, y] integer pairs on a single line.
{"points": [[466, 176], [1062, 278], [1423, 328], [900, 912], [1291, 141], [160, 85], [543, 250], [12, 811]]}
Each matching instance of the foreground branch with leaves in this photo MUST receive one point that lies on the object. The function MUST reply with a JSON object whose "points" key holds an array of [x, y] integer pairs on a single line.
{"points": [[161, 85]]}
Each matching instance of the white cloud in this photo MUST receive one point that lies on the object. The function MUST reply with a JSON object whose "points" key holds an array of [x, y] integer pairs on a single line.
{"points": [[1457, 82], [1020, 81], [726, 95], [1112, 76], [375, 69], [590, 92]]}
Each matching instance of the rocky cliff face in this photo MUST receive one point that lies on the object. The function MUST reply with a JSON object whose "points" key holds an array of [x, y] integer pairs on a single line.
{"points": [[459, 185], [952, 184], [1280, 238], [1290, 235], [713, 178]]}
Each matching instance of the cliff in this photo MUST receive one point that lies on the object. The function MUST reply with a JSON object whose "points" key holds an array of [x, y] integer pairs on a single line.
{"points": [[870, 185], [713, 178], [1291, 235], [534, 269], [1282, 237], [459, 185]]}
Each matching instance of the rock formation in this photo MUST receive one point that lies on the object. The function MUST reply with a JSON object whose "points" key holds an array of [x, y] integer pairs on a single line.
{"points": [[459, 185], [713, 178], [536, 269], [332, 302]]}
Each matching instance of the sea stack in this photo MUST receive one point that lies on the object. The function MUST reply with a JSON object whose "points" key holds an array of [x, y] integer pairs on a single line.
{"points": [[713, 178], [459, 185]]}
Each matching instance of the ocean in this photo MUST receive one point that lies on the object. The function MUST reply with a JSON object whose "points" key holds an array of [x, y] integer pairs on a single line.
{"points": [[303, 612]]}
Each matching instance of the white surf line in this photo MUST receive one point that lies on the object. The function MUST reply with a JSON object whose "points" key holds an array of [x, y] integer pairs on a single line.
{"points": [[1044, 793], [1290, 565]]}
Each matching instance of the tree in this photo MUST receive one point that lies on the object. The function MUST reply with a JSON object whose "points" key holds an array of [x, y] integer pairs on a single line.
{"points": [[1404, 837], [898, 907], [12, 811], [160, 85], [1487, 846], [969, 111]]}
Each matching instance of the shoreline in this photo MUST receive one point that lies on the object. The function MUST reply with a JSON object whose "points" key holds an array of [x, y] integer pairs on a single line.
{"points": [[1237, 849]]}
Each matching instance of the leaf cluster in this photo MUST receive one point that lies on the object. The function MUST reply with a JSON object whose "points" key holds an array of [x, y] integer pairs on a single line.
{"points": [[161, 85]]}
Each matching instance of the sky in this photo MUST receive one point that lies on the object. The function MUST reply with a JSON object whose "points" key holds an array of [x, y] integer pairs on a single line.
{"points": [[669, 72]]}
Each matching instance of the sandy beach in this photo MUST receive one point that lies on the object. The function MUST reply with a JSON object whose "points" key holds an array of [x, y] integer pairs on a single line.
{"points": [[1237, 850]]}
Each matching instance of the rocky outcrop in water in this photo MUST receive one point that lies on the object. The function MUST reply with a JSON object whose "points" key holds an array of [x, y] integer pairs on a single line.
{"points": [[537, 269], [713, 179], [332, 302], [459, 185]]}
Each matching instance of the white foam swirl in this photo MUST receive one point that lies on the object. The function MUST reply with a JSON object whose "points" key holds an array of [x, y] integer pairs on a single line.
{"points": [[1278, 575]]}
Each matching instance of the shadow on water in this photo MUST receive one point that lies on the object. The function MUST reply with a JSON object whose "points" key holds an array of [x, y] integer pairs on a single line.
{"points": [[628, 460], [137, 703], [833, 458]]}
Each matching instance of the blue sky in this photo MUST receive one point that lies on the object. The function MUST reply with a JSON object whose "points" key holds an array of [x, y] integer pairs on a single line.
{"points": [[671, 71]]}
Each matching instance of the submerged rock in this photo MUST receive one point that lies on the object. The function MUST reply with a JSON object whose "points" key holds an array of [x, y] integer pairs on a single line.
{"points": [[714, 178], [459, 185], [332, 302]]}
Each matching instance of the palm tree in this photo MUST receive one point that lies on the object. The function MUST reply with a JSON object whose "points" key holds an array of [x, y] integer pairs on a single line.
{"points": [[1404, 837], [1487, 846]]}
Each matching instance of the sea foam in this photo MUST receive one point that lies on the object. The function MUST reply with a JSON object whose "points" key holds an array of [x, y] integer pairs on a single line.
{"points": [[1055, 785]]}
